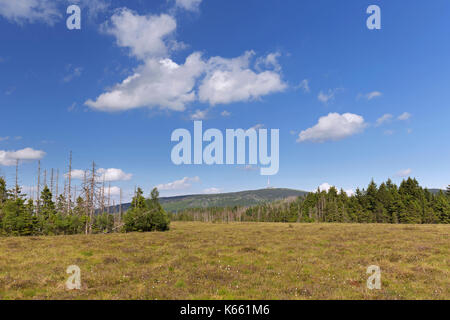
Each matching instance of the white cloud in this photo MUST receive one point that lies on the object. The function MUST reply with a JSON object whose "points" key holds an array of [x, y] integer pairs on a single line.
{"points": [[45, 11], [145, 36], [199, 115], [190, 5], [325, 187], [385, 118], [225, 113], [212, 191], [113, 191], [304, 85], [270, 61], [232, 80], [107, 175], [371, 95], [404, 173], [389, 132], [350, 192], [374, 94], [404, 116], [78, 174], [333, 127], [113, 174], [4, 139], [184, 183], [22, 11], [9, 158], [161, 82], [325, 98], [167, 85], [157, 83]]}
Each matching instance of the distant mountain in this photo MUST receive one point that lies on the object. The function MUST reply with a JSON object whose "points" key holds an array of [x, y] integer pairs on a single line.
{"points": [[243, 198], [436, 191]]}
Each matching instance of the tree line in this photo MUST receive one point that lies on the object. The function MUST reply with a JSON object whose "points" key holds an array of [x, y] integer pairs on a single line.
{"points": [[49, 214], [408, 203]]}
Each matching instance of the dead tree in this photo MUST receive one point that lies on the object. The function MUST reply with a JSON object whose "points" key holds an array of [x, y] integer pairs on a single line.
{"points": [[57, 180], [51, 184], [16, 189], [38, 200], [70, 181]]}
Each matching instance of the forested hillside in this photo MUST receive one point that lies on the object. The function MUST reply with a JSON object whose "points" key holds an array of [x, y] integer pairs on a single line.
{"points": [[221, 200], [387, 203]]}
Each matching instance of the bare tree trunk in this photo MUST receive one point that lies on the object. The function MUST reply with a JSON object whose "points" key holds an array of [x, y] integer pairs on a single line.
{"points": [[92, 208], [51, 184], [109, 197], [38, 202], [57, 179], [120, 207], [70, 181], [16, 191]]}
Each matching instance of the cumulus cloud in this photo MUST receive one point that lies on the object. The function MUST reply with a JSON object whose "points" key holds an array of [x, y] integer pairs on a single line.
{"points": [[161, 82], [404, 116], [45, 11], [9, 158], [333, 127], [22, 11], [403, 173], [184, 183], [326, 187], [144, 35], [113, 174], [212, 191], [233, 80], [190, 5], [113, 191], [157, 83], [385, 118], [107, 175], [78, 174]]}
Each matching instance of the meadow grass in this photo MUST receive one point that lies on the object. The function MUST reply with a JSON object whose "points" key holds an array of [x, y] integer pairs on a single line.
{"points": [[233, 261]]}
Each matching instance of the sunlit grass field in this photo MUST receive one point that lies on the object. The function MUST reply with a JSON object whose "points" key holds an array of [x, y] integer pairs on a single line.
{"points": [[233, 261]]}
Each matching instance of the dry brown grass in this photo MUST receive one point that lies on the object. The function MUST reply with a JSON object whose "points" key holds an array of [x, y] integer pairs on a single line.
{"points": [[233, 261]]}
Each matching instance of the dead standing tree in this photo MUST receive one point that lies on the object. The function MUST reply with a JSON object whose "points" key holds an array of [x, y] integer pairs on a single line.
{"points": [[38, 187], [69, 205]]}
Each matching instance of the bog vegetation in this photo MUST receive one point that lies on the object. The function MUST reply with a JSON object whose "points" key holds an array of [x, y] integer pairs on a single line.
{"points": [[387, 203]]}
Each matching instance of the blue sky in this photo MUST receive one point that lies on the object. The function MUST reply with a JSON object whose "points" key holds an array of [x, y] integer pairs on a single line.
{"points": [[383, 95]]}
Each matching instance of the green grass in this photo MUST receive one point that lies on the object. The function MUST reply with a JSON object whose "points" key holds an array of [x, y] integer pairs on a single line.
{"points": [[233, 261]]}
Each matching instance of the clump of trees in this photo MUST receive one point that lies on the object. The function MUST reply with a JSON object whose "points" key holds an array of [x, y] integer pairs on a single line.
{"points": [[386, 203], [145, 216], [89, 213]]}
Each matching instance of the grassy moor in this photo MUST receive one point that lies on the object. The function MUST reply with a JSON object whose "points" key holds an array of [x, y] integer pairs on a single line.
{"points": [[233, 261]]}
